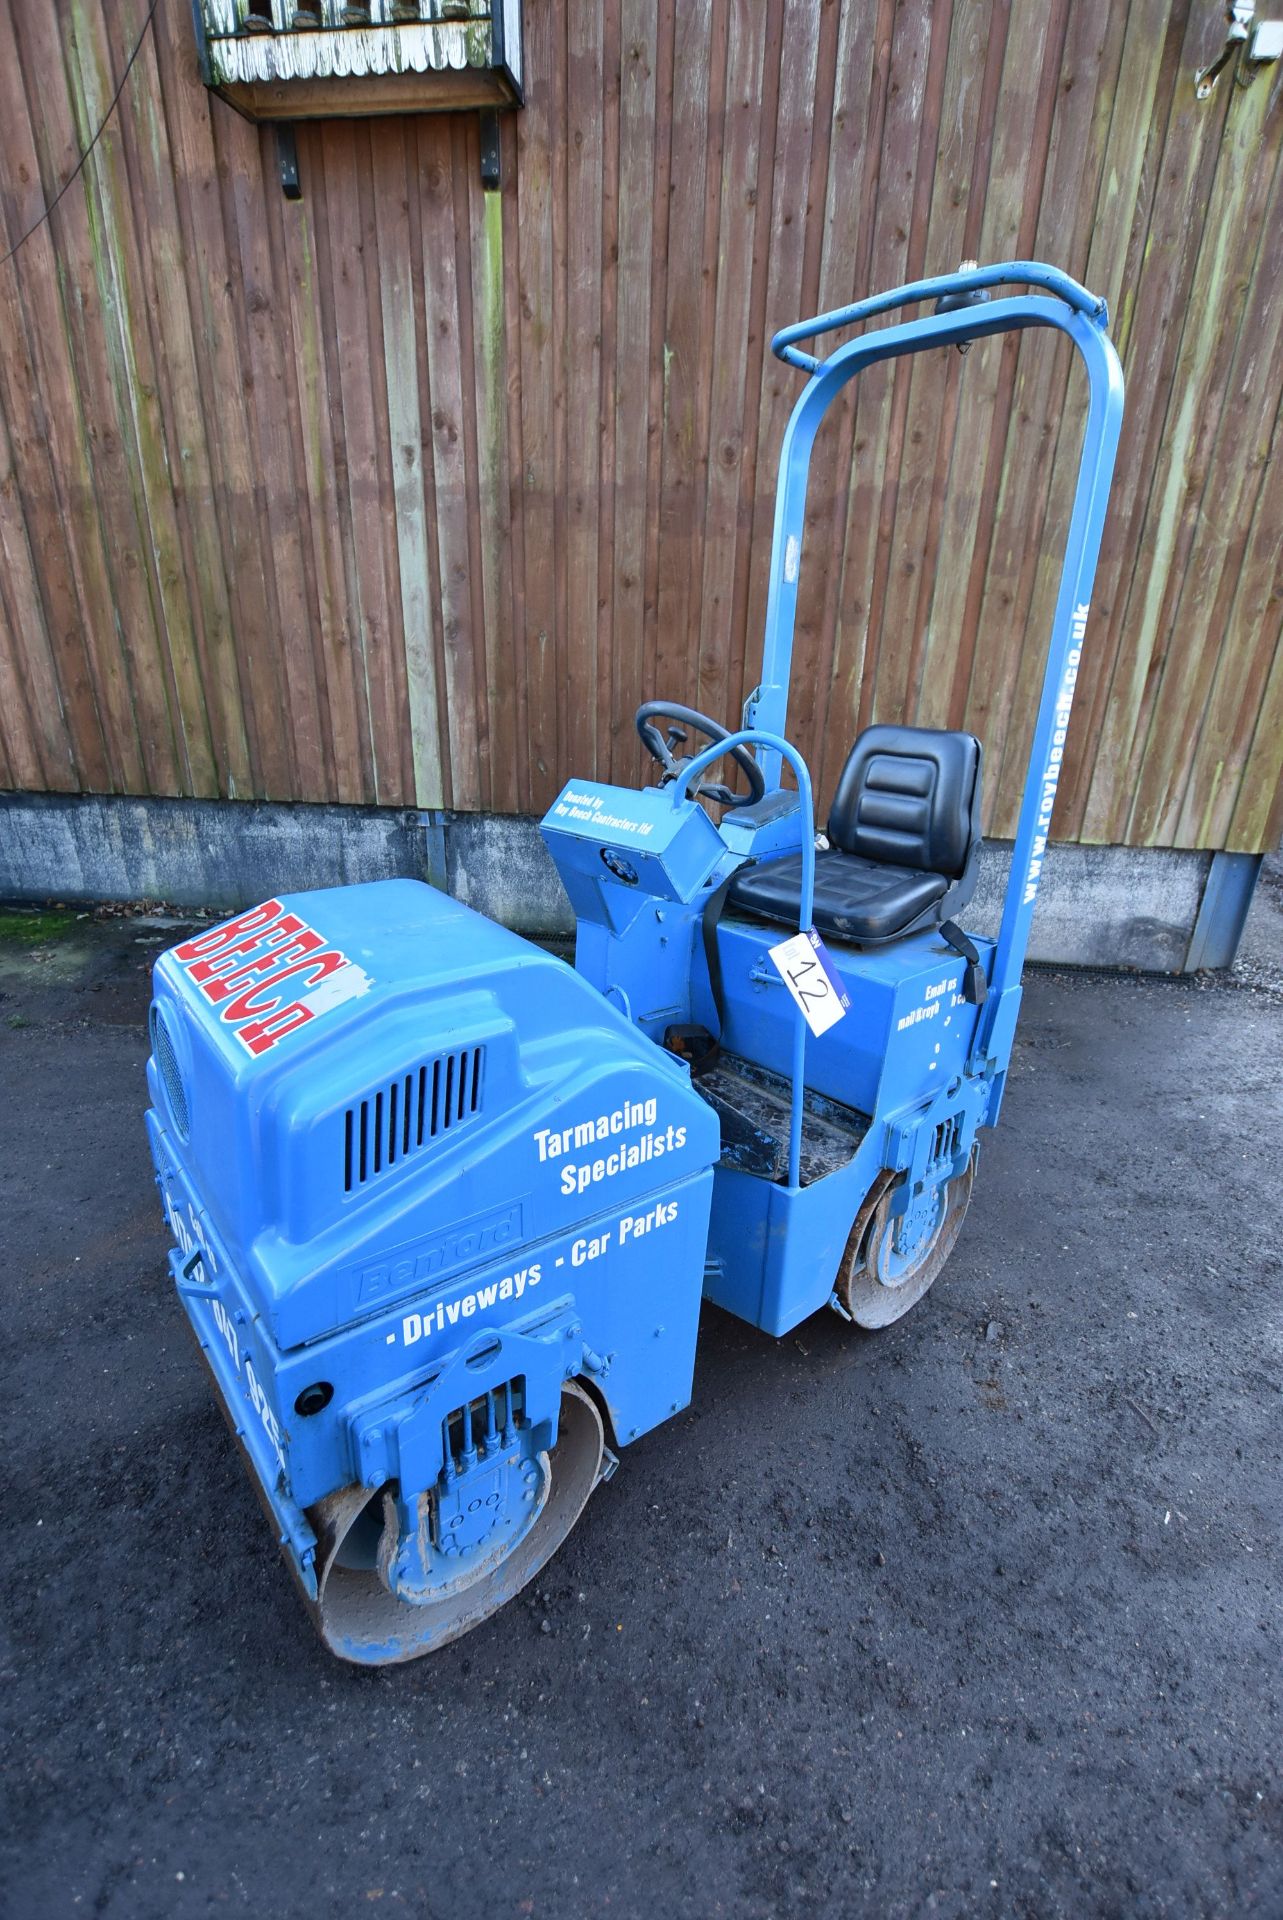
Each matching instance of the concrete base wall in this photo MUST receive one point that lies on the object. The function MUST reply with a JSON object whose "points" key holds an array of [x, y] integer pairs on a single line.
{"points": [[1102, 906], [1097, 906], [194, 853], [498, 864]]}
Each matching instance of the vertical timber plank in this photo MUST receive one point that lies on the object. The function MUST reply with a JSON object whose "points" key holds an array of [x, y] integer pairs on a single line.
{"points": [[1134, 549], [40, 751], [1120, 193], [397, 173], [871, 495], [264, 328], [582, 372], [354, 438], [860, 107], [180, 209], [50, 445], [536, 133], [910, 460], [729, 347], [1046, 418], [441, 293], [786, 189], [612, 83], [205, 143], [999, 197], [1241, 407], [209, 708], [637, 110], [490, 350], [812, 644], [71, 105], [385, 639], [303, 227], [1236, 738], [1257, 820], [509, 692], [167, 647], [1187, 509]]}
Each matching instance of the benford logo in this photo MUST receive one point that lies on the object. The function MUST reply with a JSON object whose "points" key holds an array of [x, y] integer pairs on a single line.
{"points": [[269, 974], [462, 1245]]}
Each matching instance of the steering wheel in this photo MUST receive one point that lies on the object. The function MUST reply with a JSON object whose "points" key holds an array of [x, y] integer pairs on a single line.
{"points": [[661, 749]]}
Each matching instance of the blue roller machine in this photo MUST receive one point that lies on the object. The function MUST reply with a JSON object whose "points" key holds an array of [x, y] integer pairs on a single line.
{"points": [[444, 1208]]}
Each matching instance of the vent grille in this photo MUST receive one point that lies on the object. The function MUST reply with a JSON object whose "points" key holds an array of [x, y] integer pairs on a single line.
{"points": [[170, 1071], [412, 1110]]}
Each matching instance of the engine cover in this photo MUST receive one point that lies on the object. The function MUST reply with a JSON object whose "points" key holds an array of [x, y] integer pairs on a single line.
{"points": [[419, 1174]]}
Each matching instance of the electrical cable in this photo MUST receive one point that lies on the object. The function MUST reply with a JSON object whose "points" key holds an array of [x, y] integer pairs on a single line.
{"points": [[78, 169]]}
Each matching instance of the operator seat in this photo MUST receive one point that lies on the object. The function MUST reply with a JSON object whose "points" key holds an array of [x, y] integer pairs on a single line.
{"points": [[904, 842]]}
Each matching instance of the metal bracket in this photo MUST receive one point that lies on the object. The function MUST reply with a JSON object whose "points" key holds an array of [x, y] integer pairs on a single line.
{"points": [[287, 160], [763, 974], [1239, 15], [432, 822], [491, 151], [1264, 47], [1222, 914]]}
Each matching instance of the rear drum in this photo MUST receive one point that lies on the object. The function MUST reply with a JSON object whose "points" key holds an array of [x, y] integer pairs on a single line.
{"points": [[892, 1260]]}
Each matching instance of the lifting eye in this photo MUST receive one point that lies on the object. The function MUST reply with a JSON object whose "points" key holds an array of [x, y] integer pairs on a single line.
{"points": [[314, 1398]]}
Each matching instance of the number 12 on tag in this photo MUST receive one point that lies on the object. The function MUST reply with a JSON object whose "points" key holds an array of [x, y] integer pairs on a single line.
{"points": [[812, 979]]}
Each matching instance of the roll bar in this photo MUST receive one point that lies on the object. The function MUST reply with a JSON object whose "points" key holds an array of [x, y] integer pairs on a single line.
{"points": [[969, 280], [1068, 308]]}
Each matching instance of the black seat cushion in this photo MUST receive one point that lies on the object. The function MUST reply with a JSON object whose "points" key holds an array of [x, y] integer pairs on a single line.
{"points": [[904, 831], [909, 797], [854, 899]]}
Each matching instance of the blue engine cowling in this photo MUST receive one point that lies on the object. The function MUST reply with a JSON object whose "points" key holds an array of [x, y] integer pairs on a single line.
{"points": [[420, 1175]]}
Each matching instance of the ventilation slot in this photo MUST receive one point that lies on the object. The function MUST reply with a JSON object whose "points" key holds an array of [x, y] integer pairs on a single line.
{"points": [[387, 1126], [170, 1072]]}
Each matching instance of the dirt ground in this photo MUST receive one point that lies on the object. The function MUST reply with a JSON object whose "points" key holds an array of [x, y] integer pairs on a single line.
{"points": [[978, 1616]]}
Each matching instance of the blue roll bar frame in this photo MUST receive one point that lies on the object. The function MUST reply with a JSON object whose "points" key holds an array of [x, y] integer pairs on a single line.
{"points": [[1064, 305], [1068, 308]]}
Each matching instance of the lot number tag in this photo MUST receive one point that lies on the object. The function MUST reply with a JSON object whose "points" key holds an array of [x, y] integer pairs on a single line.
{"points": [[812, 979]]}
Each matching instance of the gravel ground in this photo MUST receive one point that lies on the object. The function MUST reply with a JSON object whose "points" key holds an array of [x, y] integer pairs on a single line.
{"points": [[977, 1616]]}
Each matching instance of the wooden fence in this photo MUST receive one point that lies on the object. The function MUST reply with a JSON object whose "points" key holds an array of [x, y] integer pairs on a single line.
{"points": [[406, 492]]}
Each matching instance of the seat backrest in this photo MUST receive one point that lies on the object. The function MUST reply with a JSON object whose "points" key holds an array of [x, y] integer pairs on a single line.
{"points": [[910, 797]]}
